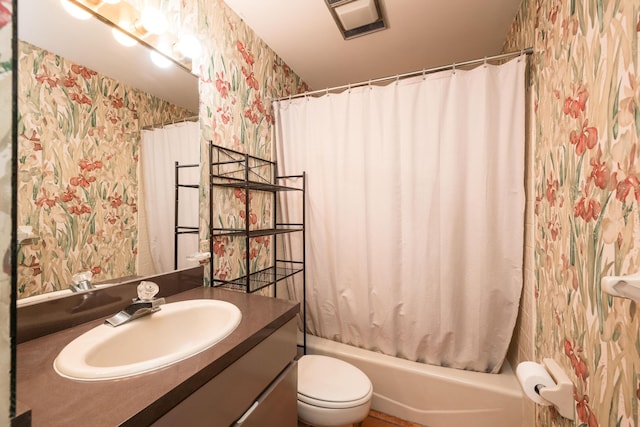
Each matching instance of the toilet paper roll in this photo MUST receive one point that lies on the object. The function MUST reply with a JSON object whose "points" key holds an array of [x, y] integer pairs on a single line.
{"points": [[532, 375]]}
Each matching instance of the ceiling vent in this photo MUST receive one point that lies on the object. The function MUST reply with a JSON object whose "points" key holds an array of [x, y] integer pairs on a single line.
{"points": [[357, 17]]}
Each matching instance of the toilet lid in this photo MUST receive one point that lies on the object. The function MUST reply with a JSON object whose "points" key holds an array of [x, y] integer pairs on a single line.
{"points": [[331, 383]]}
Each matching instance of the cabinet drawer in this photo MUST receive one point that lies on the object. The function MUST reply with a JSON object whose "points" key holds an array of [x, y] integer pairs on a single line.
{"points": [[227, 396], [278, 405]]}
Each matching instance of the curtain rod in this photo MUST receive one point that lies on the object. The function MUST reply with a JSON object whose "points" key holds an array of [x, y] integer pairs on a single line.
{"points": [[527, 51], [171, 122]]}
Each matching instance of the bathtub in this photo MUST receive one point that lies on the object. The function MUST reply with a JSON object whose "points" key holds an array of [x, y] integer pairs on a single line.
{"points": [[432, 395]]}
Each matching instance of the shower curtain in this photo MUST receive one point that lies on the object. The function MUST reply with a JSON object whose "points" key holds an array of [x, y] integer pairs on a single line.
{"points": [[161, 148], [415, 212]]}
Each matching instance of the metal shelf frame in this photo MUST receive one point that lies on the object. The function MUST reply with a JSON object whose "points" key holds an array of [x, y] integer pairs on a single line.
{"points": [[181, 229], [232, 169]]}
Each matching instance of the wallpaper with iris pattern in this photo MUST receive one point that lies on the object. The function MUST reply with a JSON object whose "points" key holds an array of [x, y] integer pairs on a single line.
{"points": [[586, 103]]}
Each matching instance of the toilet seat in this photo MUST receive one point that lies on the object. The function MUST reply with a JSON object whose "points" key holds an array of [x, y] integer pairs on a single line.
{"points": [[331, 383]]}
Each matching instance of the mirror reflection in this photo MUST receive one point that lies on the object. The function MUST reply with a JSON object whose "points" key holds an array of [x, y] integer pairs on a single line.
{"points": [[86, 108]]}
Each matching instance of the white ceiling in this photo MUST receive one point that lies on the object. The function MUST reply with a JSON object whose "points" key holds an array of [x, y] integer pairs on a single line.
{"points": [[421, 34]]}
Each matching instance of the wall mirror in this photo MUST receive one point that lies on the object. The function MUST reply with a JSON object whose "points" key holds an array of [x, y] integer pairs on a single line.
{"points": [[83, 102]]}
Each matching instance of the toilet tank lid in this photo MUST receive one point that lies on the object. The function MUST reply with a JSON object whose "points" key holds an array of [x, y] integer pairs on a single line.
{"points": [[329, 379]]}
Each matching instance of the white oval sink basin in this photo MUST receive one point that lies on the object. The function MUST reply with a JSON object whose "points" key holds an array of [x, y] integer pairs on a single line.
{"points": [[175, 332]]}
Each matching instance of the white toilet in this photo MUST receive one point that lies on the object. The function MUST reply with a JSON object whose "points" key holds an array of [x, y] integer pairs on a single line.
{"points": [[331, 392]]}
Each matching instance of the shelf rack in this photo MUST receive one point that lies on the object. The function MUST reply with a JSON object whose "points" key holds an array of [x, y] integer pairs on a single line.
{"points": [[233, 170], [181, 229]]}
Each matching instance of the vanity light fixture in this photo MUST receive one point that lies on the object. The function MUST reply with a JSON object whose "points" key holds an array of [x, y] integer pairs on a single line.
{"points": [[138, 21], [121, 37], [176, 52], [159, 60], [75, 10], [96, 4], [153, 20], [189, 46], [356, 18]]}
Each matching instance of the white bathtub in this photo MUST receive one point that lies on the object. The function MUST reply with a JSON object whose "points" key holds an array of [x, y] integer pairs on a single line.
{"points": [[432, 395]]}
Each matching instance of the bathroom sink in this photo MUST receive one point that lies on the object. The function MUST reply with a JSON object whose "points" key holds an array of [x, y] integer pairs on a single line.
{"points": [[177, 331]]}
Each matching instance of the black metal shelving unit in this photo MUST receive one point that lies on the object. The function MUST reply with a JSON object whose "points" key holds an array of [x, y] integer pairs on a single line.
{"points": [[181, 229], [233, 170]]}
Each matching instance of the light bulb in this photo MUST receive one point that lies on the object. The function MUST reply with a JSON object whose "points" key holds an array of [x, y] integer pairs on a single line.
{"points": [[153, 20], [190, 46], [160, 60], [123, 38], [75, 10]]}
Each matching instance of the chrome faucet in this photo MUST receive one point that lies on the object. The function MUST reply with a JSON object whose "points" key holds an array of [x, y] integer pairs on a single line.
{"points": [[81, 282], [145, 304]]}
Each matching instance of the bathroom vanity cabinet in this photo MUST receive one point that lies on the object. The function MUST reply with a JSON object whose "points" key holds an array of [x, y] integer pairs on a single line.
{"points": [[247, 379], [258, 389]]}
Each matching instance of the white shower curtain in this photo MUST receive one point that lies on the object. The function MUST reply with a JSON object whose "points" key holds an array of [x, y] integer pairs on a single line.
{"points": [[161, 148], [415, 213]]}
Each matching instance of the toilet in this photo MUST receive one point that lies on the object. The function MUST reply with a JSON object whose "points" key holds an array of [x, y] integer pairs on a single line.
{"points": [[331, 392]]}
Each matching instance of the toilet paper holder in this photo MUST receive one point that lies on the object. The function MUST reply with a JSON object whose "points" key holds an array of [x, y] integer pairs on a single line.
{"points": [[547, 384], [560, 396], [622, 286]]}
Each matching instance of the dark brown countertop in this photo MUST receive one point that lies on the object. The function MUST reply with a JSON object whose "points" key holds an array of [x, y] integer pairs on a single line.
{"points": [[141, 399]]}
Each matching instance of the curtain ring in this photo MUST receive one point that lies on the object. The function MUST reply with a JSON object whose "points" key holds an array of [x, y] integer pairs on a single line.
{"points": [[424, 74], [349, 88], [485, 61], [326, 91], [453, 68], [397, 79], [370, 88]]}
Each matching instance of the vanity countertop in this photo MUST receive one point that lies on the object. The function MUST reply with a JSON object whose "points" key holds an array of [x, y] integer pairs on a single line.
{"points": [[141, 399]]}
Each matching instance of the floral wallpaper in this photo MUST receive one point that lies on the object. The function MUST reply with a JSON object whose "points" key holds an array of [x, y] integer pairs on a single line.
{"points": [[586, 172], [6, 201], [238, 79], [78, 147]]}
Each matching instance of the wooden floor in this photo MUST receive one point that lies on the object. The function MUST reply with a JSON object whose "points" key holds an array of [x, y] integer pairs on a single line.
{"points": [[378, 419]]}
